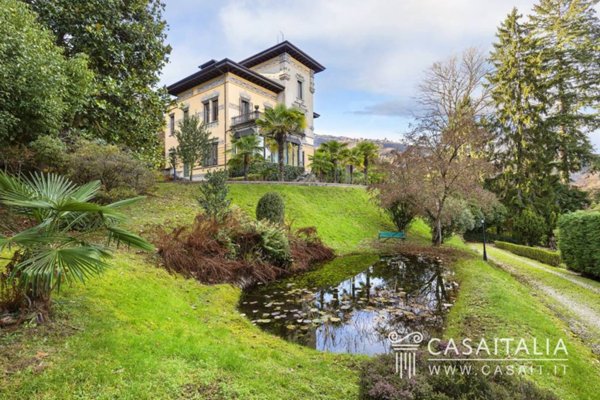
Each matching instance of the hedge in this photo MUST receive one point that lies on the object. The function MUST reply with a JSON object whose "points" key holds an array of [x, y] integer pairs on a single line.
{"points": [[542, 255], [579, 241]]}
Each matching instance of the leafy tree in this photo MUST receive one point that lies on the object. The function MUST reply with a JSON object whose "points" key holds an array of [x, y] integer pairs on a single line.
{"points": [[320, 164], [245, 149], [352, 158], [369, 153], [213, 195], [529, 227], [279, 123], [193, 142], [402, 213], [567, 33], [41, 90], [271, 207], [444, 161], [63, 245], [125, 45], [335, 151], [173, 161]]}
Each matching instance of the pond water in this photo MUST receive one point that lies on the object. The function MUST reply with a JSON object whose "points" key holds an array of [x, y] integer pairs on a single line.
{"points": [[355, 313]]}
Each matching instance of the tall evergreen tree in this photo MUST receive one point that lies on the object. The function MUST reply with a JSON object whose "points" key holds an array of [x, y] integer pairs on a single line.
{"points": [[568, 33], [524, 150]]}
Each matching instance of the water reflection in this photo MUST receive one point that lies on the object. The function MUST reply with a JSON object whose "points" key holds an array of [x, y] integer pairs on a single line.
{"points": [[398, 293]]}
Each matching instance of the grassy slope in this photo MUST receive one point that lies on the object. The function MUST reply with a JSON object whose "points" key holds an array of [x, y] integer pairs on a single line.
{"points": [[344, 217], [139, 333]]}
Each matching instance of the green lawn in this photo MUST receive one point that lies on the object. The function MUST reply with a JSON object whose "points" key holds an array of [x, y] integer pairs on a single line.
{"points": [[346, 218], [140, 333]]}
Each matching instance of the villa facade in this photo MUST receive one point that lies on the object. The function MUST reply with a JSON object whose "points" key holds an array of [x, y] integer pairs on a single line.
{"points": [[230, 96]]}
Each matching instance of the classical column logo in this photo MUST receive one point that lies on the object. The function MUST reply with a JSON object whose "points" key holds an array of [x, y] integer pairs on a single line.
{"points": [[405, 349]]}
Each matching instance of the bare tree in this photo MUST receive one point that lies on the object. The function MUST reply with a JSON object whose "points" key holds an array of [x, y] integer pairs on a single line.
{"points": [[445, 154]]}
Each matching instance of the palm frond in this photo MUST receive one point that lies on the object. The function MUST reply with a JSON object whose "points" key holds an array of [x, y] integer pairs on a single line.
{"points": [[46, 268], [119, 236]]}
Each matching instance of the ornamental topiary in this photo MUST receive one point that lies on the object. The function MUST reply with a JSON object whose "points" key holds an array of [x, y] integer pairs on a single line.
{"points": [[270, 207], [579, 241]]}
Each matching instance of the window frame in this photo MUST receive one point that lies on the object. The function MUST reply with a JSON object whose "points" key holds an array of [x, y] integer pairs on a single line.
{"points": [[300, 89], [214, 109]]}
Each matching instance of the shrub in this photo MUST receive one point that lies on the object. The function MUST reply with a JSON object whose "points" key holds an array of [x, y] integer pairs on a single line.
{"points": [[50, 154], [402, 214], [270, 171], [213, 195], [271, 208], [111, 166], [237, 250], [529, 227], [379, 381], [542, 255], [579, 241]]}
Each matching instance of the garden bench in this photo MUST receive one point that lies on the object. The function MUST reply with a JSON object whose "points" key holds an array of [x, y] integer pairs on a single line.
{"points": [[392, 235]]}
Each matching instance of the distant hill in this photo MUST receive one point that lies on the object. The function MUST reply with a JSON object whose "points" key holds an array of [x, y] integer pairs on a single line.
{"points": [[386, 145]]}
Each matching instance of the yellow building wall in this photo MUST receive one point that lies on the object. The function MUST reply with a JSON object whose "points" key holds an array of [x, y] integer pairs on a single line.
{"points": [[230, 89]]}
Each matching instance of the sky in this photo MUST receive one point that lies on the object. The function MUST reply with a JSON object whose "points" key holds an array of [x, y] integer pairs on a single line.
{"points": [[374, 51]]}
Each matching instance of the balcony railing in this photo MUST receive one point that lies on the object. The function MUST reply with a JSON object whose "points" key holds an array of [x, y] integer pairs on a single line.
{"points": [[245, 118]]}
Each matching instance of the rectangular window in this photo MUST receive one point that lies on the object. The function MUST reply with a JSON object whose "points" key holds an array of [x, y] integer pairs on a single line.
{"points": [[206, 112], [245, 107], [215, 110], [171, 124], [300, 90], [213, 155]]}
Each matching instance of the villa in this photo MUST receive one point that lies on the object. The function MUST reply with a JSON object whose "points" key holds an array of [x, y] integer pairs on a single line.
{"points": [[230, 96]]}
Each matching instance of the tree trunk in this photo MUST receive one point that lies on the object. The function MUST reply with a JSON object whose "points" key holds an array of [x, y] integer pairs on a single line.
{"points": [[335, 172], [351, 173], [366, 171], [280, 145], [438, 239], [191, 171], [246, 162]]}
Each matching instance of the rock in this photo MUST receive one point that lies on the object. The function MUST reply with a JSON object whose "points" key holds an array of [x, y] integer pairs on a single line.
{"points": [[291, 327], [335, 319], [263, 321]]}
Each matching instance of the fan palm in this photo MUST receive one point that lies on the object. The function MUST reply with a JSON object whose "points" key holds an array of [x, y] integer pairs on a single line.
{"points": [[335, 151], [63, 245], [320, 164], [279, 123], [246, 148], [369, 152], [352, 158]]}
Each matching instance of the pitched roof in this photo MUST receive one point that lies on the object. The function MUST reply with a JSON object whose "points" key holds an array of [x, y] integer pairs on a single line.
{"points": [[211, 70], [283, 47]]}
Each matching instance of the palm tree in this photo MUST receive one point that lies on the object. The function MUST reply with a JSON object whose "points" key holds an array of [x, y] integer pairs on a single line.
{"points": [[279, 123], [64, 245], [245, 148], [369, 152], [320, 164], [335, 151], [352, 158]]}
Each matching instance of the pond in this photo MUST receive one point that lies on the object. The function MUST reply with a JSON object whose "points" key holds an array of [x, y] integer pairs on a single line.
{"points": [[355, 313]]}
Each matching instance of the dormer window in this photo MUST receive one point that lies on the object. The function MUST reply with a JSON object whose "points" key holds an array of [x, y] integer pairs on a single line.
{"points": [[300, 90]]}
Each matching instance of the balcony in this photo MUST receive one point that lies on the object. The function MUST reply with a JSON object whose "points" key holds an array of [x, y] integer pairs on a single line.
{"points": [[247, 118]]}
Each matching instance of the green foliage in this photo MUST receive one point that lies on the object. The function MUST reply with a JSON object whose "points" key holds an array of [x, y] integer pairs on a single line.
{"points": [[542, 255], [379, 381], [41, 89], [579, 241], [173, 158], [529, 227], [270, 207], [369, 152], [119, 173], [125, 45], [278, 124], [274, 242], [194, 142], [402, 214], [245, 150], [50, 154], [52, 252], [336, 152], [213, 195]]}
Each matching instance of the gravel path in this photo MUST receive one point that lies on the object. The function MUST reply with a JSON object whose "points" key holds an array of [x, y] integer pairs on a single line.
{"points": [[587, 315]]}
